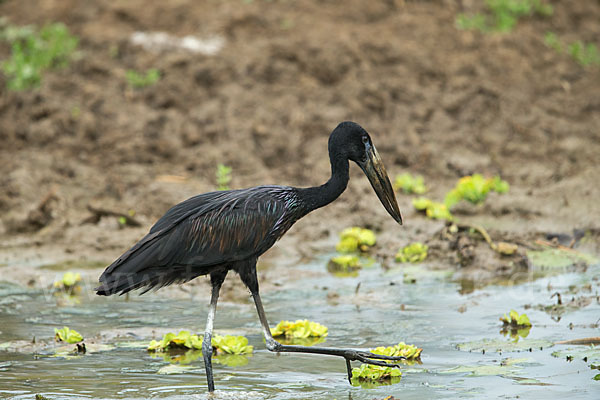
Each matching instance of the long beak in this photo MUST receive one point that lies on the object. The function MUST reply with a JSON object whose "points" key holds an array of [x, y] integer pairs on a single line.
{"points": [[375, 171]]}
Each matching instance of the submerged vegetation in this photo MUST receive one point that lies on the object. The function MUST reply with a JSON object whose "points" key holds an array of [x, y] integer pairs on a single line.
{"points": [[33, 52]]}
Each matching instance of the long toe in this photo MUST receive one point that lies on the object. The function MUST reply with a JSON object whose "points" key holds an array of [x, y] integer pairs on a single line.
{"points": [[368, 354]]}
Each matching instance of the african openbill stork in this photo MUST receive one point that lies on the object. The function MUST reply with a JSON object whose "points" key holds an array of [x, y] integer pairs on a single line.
{"points": [[213, 233]]}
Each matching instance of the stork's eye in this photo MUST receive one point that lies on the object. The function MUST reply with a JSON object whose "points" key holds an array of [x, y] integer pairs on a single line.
{"points": [[365, 139]]}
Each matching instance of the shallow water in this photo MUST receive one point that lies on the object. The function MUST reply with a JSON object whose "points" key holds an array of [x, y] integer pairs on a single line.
{"points": [[383, 312]]}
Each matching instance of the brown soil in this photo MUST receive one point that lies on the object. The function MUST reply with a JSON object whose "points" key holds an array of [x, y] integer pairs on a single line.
{"points": [[438, 101]]}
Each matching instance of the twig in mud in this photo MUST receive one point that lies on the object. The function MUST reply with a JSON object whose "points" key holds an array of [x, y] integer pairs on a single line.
{"points": [[556, 246], [98, 213], [504, 248]]}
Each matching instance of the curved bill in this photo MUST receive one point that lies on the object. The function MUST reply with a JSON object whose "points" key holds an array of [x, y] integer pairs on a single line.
{"points": [[375, 171]]}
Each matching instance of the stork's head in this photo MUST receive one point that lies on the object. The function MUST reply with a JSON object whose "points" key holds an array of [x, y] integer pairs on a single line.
{"points": [[352, 141]]}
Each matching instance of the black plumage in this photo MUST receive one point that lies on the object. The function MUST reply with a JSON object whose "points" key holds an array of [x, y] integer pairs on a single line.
{"points": [[215, 232]]}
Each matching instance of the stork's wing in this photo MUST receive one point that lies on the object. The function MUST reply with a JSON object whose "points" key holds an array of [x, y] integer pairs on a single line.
{"points": [[198, 234]]}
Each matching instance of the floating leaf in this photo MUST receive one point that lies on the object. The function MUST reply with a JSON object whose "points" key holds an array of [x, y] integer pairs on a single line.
{"points": [[355, 238], [414, 253], [402, 349], [515, 320], [410, 184], [368, 372], [299, 329], [231, 344], [499, 345], [67, 335], [344, 263], [591, 353], [182, 340]]}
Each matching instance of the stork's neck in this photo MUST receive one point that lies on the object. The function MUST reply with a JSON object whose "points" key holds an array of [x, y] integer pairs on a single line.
{"points": [[319, 196]]}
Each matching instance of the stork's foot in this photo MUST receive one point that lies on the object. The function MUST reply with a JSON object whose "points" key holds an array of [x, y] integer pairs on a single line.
{"points": [[366, 357]]}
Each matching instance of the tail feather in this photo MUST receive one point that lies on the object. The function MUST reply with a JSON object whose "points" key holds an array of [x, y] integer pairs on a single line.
{"points": [[144, 267]]}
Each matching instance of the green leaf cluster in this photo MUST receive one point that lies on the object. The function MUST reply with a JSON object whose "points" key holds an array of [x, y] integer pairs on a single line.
{"points": [[183, 339], [68, 281], [34, 52], [227, 344], [67, 335], [402, 349], [432, 209], [356, 239], [344, 263], [515, 320], [413, 253], [474, 189], [142, 79], [223, 176], [302, 328], [583, 53], [373, 373], [503, 15], [410, 184]]}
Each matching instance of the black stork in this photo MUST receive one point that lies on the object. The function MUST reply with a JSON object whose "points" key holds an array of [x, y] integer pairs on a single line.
{"points": [[213, 233]]}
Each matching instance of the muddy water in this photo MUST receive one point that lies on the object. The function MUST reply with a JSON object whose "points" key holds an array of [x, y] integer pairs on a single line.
{"points": [[384, 311]]}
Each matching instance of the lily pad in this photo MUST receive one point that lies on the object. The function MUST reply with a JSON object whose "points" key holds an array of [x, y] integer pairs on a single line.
{"points": [[501, 346], [552, 258], [589, 353], [482, 370]]}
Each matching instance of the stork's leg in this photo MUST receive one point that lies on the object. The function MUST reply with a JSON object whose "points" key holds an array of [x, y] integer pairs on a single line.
{"points": [[249, 278], [216, 280]]}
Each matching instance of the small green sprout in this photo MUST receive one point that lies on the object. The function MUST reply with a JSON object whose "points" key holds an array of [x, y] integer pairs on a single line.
{"points": [[503, 15], [69, 282], [67, 335], [410, 184], [515, 320], [34, 52], [223, 175], [300, 329], [413, 253], [474, 189], [584, 54], [355, 238], [432, 209], [140, 80]]}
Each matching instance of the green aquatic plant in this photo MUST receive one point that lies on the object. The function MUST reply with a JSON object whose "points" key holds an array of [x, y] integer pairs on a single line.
{"points": [[301, 329], [223, 176], [142, 79], [67, 335], [379, 374], [515, 320], [69, 283], [503, 15], [344, 263], [474, 189], [34, 52], [410, 184], [413, 253], [183, 339], [229, 344], [432, 209], [356, 239]]}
